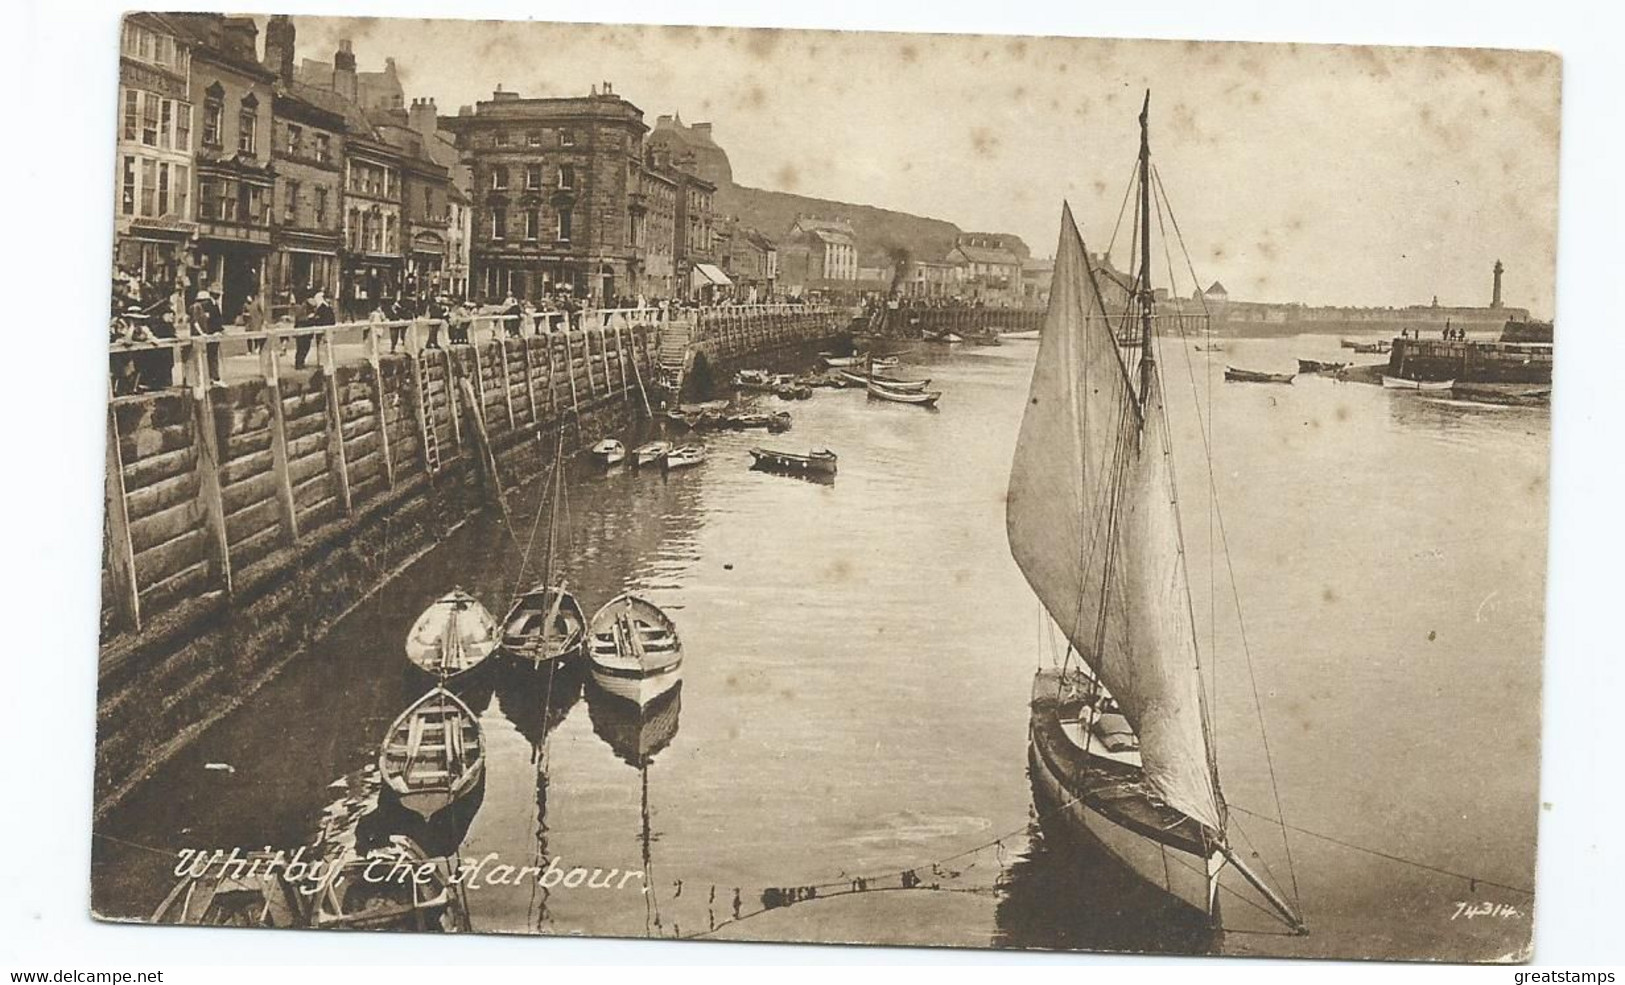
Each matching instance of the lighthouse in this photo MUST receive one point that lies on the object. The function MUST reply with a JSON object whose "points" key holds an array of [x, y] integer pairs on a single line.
{"points": [[1495, 299]]}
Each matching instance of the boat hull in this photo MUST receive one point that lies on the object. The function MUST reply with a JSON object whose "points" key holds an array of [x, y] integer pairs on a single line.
{"points": [[1400, 383], [639, 689]]}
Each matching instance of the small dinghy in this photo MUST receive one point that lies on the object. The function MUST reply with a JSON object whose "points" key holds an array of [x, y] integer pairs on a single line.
{"points": [[608, 452], [947, 338], [452, 637], [924, 398], [1401, 383], [433, 755], [636, 653], [232, 897], [890, 382], [393, 887], [817, 462], [1030, 335], [1233, 375], [545, 625], [1373, 347], [650, 452], [684, 457]]}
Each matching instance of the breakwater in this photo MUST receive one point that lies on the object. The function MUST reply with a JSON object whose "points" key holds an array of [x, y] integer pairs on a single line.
{"points": [[243, 519], [1471, 361]]}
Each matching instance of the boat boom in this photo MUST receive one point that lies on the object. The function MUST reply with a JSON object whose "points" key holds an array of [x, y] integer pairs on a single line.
{"points": [[1281, 905]]}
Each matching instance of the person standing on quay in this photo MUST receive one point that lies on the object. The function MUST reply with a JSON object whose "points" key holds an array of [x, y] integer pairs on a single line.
{"points": [[256, 316], [405, 310], [437, 316], [205, 318]]}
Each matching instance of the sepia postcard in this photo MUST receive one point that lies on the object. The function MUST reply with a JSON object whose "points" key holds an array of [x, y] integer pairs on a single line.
{"points": [[812, 486]]}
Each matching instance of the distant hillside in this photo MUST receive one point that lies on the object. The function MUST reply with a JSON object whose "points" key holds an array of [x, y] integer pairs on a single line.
{"points": [[881, 233]]}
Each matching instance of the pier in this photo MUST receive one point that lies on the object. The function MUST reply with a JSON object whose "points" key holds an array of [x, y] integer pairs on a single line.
{"points": [[244, 517]]}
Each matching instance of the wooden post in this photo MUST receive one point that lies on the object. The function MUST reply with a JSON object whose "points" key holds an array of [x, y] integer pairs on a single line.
{"points": [[586, 344], [450, 385], [208, 463], [338, 462], [420, 408], [120, 548], [530, 380], [271, 373], [507, 384], [620, 351], [380, 417], [569, 370], [552, 390]]}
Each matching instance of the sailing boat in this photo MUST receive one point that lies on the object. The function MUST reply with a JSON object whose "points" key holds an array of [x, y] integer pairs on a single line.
{"points": [[1121, 745], [546, 624]]}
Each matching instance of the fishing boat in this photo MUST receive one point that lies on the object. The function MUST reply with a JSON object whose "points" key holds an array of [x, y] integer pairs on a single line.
{"points": [[424, 894], [1233, 375], [635, 650], [650, 452], [890, 382], [759, 380], [1402, 383], [839, 362], [923, 398], [1119, 735], [1349, 343], [608, 452], [684, 456], [788, 389], [820, 461], [452, 637], [1316, 366], [433, 754], [1373, 347]]}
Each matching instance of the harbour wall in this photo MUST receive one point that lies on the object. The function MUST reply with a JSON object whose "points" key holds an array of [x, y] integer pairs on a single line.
{"points": [[1471, 362], [243, 520]]}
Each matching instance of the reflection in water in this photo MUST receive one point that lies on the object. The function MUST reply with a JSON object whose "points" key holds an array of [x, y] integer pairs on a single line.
{"points": [[1067, 892]]}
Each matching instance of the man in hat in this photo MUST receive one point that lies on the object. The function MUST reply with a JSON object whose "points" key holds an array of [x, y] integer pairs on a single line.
{"points": [[439, 310], [205, 318]]}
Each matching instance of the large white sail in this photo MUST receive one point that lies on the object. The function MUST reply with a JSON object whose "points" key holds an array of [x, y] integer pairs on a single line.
{"points": [[1092, 525]]}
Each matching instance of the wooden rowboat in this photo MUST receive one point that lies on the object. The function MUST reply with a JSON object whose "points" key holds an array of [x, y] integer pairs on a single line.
{"points": [[396, 886], [635, 650], [1400, 383], [228, 896], [433, 754], [890, 382], [545, 625], [684, 457], [452, 636], [650, 452], [1233, 375], [817, 462], [925, 398], [1316, 366], [608, 452]]}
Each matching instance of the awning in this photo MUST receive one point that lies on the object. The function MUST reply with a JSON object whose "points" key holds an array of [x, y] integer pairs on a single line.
{"points": [[706, 273]]}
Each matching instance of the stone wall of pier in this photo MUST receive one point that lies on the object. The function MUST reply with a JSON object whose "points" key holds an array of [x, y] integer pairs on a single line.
{"points": [[243, 520], [724, 339]]}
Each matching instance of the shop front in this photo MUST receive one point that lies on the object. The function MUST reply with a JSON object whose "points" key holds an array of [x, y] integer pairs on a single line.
{"points": [[232, 265], [303, 264], [369, 278], [426, 265], [153, 253]]}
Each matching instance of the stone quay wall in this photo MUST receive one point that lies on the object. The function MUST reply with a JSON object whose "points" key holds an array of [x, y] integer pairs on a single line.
{"points": [[242, 521]]}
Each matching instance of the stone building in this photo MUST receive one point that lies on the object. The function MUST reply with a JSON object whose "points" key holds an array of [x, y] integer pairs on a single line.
{"points": [[425, 196], [441, 146], [232, 95], [373, 90], [654, 228], [930, 279], [307, 150], [989, 266], [694, 146], [554, 180], [819, 254], [697, 273], [153, 224]]}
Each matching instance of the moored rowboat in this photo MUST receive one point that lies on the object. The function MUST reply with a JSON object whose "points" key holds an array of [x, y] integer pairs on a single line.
{"points": [[433, 754], [1401, 383], [545, 625], [1316, 366], [1233, 375], [816, 462], [635, 650], [684, 457], [650, 452], [890, 382], [608, 452], [925, 398], [453, 636]]}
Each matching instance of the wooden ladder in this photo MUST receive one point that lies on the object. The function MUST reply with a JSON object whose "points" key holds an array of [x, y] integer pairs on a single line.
{"points": [[431, 439]]}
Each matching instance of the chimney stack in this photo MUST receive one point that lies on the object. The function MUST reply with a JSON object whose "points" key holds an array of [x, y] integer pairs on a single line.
{"points": [[424, 118], [344, 80], [279, 47]]}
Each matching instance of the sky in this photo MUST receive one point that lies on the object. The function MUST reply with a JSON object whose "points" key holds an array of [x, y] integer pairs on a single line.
{"points": [[1313, 173]]}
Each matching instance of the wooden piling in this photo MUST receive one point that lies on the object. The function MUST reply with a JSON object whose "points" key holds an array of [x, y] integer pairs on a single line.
{"points": [[208, 463], [380, 417], [120, 549], [338, 463]]}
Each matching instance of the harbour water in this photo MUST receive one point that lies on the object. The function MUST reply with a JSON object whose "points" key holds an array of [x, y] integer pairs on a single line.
{"points": [[858, 661]]}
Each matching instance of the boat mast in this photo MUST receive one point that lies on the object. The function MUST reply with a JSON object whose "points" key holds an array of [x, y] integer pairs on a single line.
{"points": [[1147, 361]]}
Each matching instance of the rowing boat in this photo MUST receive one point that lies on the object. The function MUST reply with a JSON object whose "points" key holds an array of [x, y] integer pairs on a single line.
{"points": [[1401, 383], [890, 382], [608, 452], [545, 625], [650, 452], [1316, 366], [925, 398], [1233, 375], [684, 456], [635, 650], [433, 755], [395, 886], [453, 636], [817, 462]]}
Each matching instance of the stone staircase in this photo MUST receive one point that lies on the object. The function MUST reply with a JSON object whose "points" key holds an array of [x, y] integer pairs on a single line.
{"points": [[674, 339]]}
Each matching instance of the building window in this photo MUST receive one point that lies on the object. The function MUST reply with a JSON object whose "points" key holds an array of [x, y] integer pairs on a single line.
{"points": [[149, 120], [499, 223], [567, 176], [352, 231], [149, 185], [132, 110], [163, 189], [501, 138], [533, 139], [214, 116], [166, 123], [323, 151], [499, 178], [564, 225], [290, 203], [533, 224], [567, 138], [247, 121], [321, 206], [127, 198], [294, 133], [183, 126], [389, 234], [533, 176]]}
